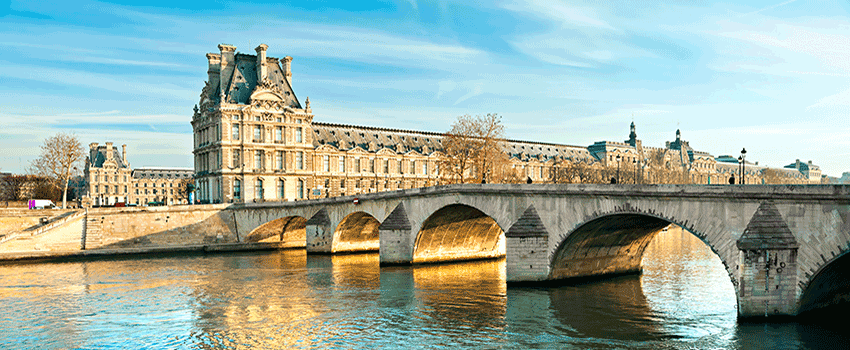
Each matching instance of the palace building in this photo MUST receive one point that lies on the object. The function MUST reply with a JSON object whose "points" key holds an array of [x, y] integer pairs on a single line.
{"points": [[110, 180], [255, 140]]}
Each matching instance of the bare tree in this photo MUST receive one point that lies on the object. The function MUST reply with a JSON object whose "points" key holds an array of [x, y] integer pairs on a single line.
{"points": [[60, 155], [473, 149], [184, 187]]}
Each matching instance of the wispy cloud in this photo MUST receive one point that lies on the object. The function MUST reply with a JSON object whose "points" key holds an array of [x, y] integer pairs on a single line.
{"points": [[558, 12], [771, 7]]}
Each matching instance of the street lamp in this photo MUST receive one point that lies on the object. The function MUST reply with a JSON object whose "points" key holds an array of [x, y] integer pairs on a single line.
{"points": [[743, 160], [618, 168]]}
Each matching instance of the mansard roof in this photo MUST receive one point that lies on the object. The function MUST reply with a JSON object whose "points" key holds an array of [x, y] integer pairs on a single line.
{"points": [[243, 80], [373, 139], [99, 156]]}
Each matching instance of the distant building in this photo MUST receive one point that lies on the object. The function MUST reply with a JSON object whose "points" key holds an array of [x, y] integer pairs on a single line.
{"points": [[160, 185], [108, 179], [254, 140], [811, 171]]}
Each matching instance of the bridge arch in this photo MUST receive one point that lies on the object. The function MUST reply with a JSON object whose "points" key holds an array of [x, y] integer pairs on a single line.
{"points": [[613, 243], [357, 232], [829, 288], [290, 230], [458, 232]]}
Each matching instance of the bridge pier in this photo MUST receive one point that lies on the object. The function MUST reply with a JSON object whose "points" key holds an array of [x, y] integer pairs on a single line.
{"points": [[767, 262], [319, 232], [396, 238], [527, 249]]}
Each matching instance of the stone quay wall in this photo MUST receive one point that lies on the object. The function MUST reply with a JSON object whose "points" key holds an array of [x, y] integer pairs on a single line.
{"points": [[45, 234]]}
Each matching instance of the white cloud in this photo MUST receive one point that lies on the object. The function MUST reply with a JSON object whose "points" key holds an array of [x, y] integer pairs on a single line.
{"points": [[558, 12], [477, 89]]}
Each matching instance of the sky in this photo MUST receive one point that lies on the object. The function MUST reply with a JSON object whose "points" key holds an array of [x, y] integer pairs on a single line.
{"points": [[770, 76]]}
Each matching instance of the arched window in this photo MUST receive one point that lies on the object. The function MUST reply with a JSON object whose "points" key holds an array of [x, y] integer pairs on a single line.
{"points": [[258, 189], [237, 189]]}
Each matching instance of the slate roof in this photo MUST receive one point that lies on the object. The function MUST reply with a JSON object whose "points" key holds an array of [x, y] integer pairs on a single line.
{"points": [[244, 80], [373, 139], [98, 156]]}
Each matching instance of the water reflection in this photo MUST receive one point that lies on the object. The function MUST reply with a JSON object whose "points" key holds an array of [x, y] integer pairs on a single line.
{"points": [[287, 299]]}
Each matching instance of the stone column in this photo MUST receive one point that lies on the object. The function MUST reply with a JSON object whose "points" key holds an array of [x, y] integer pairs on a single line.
{"points": [[396, 238], [527, 249], [767, 263], [320, 233]]}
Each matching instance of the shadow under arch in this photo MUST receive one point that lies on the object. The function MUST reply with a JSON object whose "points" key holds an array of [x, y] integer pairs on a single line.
{"points": [[828, 292], [291, 230], [357, 232], [613, 244], [458, 232]]}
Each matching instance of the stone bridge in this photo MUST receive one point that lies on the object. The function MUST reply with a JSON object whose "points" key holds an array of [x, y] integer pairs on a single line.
{"points": [[783, 246]]}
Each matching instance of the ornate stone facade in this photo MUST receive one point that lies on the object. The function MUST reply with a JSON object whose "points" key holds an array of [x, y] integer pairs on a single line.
{"points": [[110, 180], [255, 141]]}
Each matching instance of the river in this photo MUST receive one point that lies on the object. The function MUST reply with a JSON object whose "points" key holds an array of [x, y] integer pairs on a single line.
{"points": [[286, 299]]}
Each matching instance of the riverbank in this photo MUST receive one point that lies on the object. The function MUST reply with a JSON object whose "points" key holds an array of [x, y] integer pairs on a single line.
{"points": [[76, 255]]}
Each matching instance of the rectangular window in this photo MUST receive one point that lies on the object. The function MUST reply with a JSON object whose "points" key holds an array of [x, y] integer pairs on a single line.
{"points": [[115, 178], [326, 163], [279, 160], [298, 135], [125, 189], [258, 189], [235, 129], [258, 133], [372, 165], [356, 165], [412, 167], [278, 133], [342, 183], [300, 189], [400, 169], [386, 166], [258, 159], [425, 168], [280, 189], [341, 164], [236, 159], [237, 189], [299, 160]]}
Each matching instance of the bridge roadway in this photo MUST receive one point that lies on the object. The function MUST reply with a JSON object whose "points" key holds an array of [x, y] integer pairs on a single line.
{"points": [[783, 246]]}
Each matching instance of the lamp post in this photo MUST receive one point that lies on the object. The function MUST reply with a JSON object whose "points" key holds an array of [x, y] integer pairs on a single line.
{"points": [[743, 159], [618, 169], [634, 171]]}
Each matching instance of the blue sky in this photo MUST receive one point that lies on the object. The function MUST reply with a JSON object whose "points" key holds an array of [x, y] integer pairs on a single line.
{"points": [[771, 76]]}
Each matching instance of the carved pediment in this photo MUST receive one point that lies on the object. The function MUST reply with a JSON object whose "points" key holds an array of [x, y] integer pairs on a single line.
{"points": [[357, 149], [385, 152], [267, 91], [327, 148]]}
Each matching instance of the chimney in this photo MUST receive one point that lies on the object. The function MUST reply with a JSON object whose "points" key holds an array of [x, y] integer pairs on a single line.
{"points": [[213, 72], [93, 146], [287, 69], [124, 154], [109, 149], [262, 68], [227, 64]]}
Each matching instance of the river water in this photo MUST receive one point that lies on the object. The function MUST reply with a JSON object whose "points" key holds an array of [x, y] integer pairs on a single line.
{"points": [[286, 299]]}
